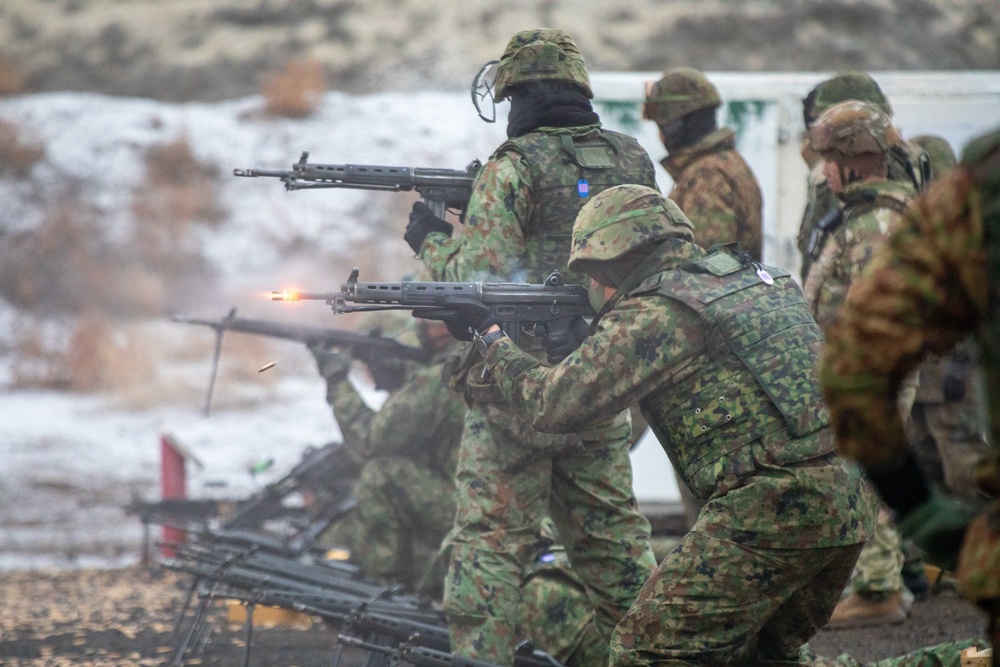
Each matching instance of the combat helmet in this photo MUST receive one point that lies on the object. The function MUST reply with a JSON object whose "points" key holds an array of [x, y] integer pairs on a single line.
{"points": [[939, 152], [844, 86], [679, 92], [622, 219], [541, 54], [854, 128]]}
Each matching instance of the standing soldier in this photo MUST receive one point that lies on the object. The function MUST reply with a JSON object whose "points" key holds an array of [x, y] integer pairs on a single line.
{"points": [[518, 225], [946, 424], [907, 162], [713, 184], [720, 353], [821, 202], [936, 281], [854, 140]]}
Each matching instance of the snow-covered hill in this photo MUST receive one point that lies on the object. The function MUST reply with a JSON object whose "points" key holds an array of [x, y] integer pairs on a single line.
{"points": [[72, 461]]}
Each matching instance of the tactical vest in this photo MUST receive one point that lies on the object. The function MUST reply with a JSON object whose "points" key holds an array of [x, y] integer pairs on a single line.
{"points": [[566, 170], [755, 374], [867, 201]]}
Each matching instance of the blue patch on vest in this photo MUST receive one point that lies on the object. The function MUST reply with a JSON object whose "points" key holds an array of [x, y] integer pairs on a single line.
{"points": [[583, 188]]}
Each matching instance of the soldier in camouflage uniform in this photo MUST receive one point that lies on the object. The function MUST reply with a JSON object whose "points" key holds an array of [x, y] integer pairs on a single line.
{"points": [[946, 424], [518, 225], [937, 281], [854, 139], [720, 353], [822, 204], [405, 493], [409, 451], [713, 184]]}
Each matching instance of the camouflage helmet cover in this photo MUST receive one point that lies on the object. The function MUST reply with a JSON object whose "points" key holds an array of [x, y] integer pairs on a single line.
{"points": [[854, 128], [939, 152], [542, 54], [620, 219], [679, 91], [844, 86]]}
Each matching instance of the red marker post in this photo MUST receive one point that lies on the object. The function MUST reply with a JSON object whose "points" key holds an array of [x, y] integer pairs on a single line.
{"points": [[173, 484]]}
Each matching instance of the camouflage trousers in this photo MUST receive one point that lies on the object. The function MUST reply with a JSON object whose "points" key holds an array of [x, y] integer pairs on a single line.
{"points": [[716, 602], [508, 480], [403, 513], [879, 570]]}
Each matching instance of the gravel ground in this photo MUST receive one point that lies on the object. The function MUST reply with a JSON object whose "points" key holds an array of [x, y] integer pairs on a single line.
{"points": [[126, 617]]}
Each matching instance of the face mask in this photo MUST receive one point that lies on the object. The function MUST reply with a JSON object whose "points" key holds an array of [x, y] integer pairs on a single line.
{"points": [[595, 294]]}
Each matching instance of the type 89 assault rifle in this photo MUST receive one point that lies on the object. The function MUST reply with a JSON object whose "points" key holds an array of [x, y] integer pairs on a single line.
{"points": [[441, 189], [545, 308]]}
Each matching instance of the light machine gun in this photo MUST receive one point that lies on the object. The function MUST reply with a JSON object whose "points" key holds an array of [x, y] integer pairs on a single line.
{"points": [[362, 346], [441, 189], [546, 307]]}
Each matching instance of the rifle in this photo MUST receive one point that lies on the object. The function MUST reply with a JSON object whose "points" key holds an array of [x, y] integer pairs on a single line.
{"points": [[411, 652], [327, 471], [361, 346], [547, 307], [440, 189]]}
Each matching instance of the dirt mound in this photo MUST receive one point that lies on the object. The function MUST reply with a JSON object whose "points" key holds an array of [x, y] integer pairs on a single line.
{"points": [[189, 49]]}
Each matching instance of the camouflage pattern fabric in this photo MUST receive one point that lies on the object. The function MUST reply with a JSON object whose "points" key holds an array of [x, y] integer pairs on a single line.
{"points": [[509, 475], [777, 536], [716, 189], [512, 231], [404, 492], [946, 432], [404, 511], [878, 572], [849, 249], [934, 283], [947, 654], [557, 611], [502, 495]]}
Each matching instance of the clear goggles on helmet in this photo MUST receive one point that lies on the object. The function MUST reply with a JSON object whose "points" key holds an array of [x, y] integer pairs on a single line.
{"points": [[482, 91]]}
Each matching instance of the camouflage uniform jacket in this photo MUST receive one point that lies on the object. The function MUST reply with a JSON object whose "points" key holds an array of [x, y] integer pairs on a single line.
{"points": [[848, 249], [923, 293], [715, 188], [421, 421], [525, 199], [729, 388], [936, 281]]}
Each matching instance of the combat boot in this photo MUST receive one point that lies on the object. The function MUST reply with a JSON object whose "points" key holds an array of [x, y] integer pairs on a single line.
{"points": [[856, 610]]}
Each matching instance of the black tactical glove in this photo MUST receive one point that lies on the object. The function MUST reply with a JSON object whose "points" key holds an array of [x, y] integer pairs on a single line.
{"points": [[387, 373], [560, 342], [333, 366], [423, 222], [463, 316]]}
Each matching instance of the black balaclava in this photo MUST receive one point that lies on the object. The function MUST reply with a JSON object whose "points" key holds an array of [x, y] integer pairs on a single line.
{"points": [[688, 129], [548, 104]]}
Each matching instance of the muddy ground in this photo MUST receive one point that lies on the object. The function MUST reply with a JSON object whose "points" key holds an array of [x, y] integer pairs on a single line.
{"points": [[126, 617]]}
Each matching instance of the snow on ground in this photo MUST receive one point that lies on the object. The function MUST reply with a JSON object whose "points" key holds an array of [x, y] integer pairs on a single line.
{"points": [[72, 462]]}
